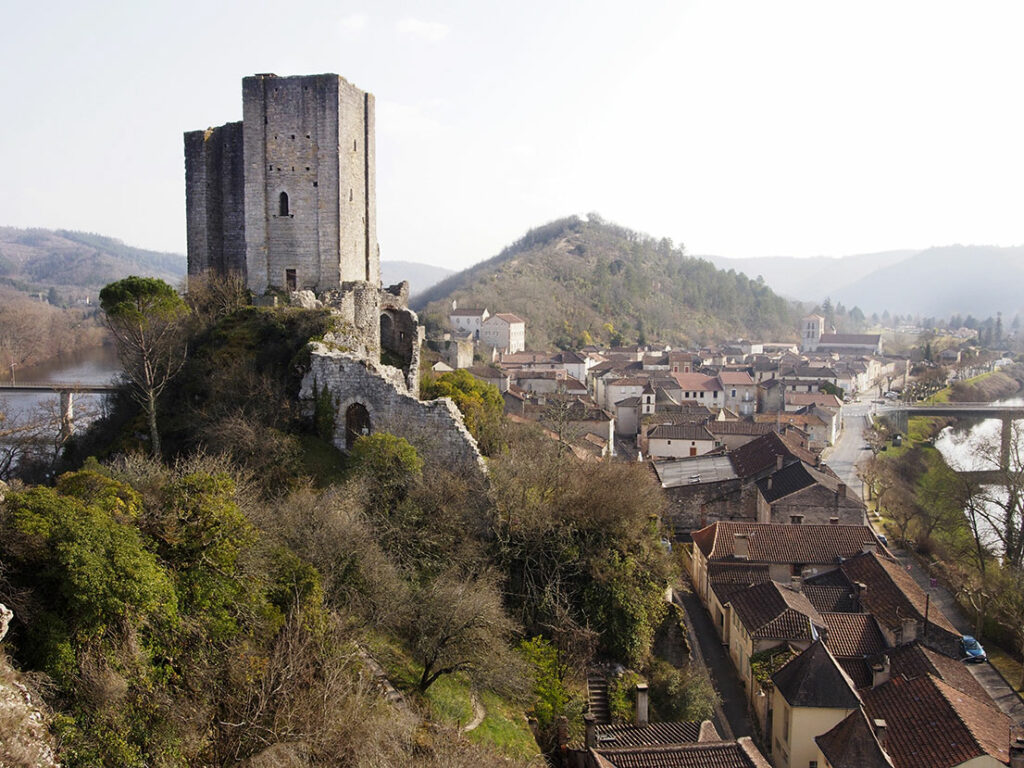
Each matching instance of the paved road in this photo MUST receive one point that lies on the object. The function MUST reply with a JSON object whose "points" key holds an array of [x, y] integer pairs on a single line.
{"points": [[731, 718], [843, 458]]}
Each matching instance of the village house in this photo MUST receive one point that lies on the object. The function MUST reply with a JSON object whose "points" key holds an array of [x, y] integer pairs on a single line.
{"points": [[703, 489], [765, 616], [811, 695], [466, 321], [802, 494], [677, 440], [787, 551], [504, 332]]}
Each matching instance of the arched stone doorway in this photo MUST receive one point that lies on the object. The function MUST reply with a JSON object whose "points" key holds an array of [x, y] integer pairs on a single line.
{"points": [[357, 423]]}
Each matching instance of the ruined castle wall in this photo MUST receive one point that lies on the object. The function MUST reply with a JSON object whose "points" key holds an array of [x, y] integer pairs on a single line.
{"points": [[214, 200], [434, 427]]}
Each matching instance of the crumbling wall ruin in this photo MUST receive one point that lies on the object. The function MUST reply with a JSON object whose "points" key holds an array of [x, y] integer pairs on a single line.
{"points": [[367, 397]]}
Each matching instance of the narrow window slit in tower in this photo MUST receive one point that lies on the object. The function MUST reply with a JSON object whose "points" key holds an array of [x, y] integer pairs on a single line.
{"points": [[283, 204]]}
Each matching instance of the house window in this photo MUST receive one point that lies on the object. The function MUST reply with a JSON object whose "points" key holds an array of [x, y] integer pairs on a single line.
{"points": [[733, 393], [282, 204]]}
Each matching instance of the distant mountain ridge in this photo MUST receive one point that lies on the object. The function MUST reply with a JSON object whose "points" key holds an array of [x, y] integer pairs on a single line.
{"points": [[575, 280], [939, 282], [34, 260]]}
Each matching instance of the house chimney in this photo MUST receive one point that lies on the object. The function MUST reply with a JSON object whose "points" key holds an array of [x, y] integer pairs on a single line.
{"points": [[641, 704], [908, 632], [881, 731], [769, 482], [741, 546], [796, 583], [869, 547], [859, 590], [841, 490], [778, 462], [1017, 753], [881, 669], [590, 729]]}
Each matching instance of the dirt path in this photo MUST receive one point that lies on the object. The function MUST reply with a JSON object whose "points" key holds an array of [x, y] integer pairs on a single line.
{"points": [[479, 713]]}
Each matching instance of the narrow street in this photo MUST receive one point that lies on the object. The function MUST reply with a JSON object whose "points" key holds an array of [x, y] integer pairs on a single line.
{"points": [[731, 718], [843, 458]]}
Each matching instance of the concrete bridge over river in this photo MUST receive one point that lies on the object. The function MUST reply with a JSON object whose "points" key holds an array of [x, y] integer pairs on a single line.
{"points": [[1007, 414], [67, 391]]}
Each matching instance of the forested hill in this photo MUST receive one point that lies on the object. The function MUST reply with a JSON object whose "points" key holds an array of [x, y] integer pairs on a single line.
{"points": [[35, 260], [575, 280]]}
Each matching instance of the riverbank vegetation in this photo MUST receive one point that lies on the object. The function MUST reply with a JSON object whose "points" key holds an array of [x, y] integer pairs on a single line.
{"points": [[32, 331], [241, 598], [970, 534]]}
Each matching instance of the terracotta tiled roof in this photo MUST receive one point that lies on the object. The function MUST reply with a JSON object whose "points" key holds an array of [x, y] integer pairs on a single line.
{"points": [[697, 381], [852, 744], [892, 594], [508, 317], [735, 378], [653, 733], [726, 579], [813, 398], [853, 634], [769, 610], [770, 543], [739, 428], [761, 455], [849, 338], [680, 432], [724, 754], [915, 660], [815, 679], [933, 725], [832, 599]]}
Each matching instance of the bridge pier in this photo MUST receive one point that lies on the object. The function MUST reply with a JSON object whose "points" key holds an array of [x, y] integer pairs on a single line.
{"points": [[67, 415], [1006, 438]]}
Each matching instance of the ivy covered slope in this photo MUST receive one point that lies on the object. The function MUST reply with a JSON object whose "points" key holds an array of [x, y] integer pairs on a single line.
{"points": [[575, 281]]}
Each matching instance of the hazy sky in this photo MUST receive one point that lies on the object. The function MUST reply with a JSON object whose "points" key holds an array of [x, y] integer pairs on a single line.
{"points": [[737, 128]]}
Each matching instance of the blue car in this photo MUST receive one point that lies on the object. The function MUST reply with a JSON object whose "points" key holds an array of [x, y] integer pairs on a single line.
{"points": [[971, 650]]}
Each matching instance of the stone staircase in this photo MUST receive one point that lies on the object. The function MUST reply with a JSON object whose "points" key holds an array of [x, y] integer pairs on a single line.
{"points": [[597, 695]]}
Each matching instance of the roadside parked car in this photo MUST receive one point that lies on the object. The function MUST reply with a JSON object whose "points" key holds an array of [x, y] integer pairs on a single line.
{"points": [[971, 650]]}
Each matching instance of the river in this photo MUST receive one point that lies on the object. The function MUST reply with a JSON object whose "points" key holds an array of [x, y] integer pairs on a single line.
{"points": [[976, 448], [965, 449], [95, 365]]}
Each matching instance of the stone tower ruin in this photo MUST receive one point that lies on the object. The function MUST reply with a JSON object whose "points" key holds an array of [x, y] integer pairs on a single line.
{"points": [[286, 197]]}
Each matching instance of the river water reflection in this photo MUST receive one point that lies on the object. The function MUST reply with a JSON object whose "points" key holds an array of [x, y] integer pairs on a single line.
{"points": [[976, 448], [95, 365]]}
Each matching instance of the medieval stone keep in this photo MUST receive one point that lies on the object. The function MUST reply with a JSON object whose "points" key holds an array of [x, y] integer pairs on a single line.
{"points": [[286, 198]]}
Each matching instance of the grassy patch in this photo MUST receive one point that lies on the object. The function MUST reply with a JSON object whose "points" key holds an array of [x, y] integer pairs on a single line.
{"points": [[1006, 664], [450, 701], [505, 728]]}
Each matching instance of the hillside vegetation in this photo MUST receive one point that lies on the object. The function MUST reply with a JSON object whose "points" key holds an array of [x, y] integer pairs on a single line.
{"points": [[239, 602], [76, 264], [575, 281]]}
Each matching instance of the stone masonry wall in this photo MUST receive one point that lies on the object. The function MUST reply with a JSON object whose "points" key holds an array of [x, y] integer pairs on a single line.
{"points": [[214, 201], [435, 427]]}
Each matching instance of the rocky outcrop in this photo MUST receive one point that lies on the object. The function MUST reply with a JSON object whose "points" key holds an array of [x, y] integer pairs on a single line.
{"points": [[25, 740]]}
